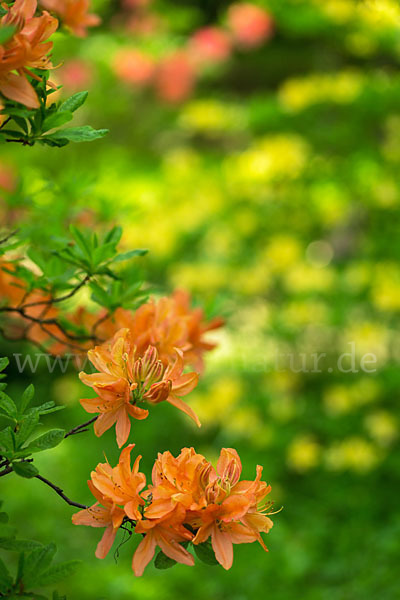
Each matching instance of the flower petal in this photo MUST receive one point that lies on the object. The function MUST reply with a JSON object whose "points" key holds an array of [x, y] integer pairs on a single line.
{"points": [[174, 550], [144, 553], [178, 403], [222, 546], [17, 88], [136, 412], [123, 426], [185, 384], [104, 422], [104, 546]]}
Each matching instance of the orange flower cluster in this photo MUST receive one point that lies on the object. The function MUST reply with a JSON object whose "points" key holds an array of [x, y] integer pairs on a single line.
{"points": [[26, 49], [74, 14], [37, 305], [175, 75], [188, 501], [167, 324], [127, 378]]}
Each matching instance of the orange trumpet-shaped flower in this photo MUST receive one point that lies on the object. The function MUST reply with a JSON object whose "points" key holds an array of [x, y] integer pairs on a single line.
{"points": [[101, 514], [232, 515], [26, 49], [165, 533], [126, 379], [74, 14], [122, 484], [176, 481], [168, 324], [113, 489]]}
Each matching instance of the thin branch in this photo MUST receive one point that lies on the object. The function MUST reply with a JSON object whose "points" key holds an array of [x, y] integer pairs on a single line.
{"points": [[40, 321], [80, 428], [10, 235], [60, 298], [99, 322], [20, 141], [6, 471], [60, 492], [5, 122]]}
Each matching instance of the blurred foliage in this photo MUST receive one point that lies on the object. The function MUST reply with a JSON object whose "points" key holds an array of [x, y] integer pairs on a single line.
{"points": [[271, 192]]}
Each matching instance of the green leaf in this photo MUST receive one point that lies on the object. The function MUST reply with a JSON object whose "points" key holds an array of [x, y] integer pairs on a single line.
{"points": [[6, 580], [26, 427], [48, 141], [7, 532], [74, 102], [82, 241], [56, 120], [6, 33], [46, 408], [25, 469], [27, 397], [80, 134], [8, 405], [162, 561], [205, 553], [99, 295], [129, 254], [48, 440], [113, 236], [102, 253], [19, 545], [37, 562], [57, 572], [7, 439], [3, 517], [4, 362]]}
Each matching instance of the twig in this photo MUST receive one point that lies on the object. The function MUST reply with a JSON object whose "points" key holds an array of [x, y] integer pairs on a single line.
{"points": [[20, 141], [10, 235], [5, 122], [80, 428], [60, 492], [21, 311], [60, 298], [99, 322], [6, 471]]}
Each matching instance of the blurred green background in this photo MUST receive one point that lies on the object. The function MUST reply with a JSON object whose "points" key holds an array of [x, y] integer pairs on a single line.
{"points": [[269, 189]]}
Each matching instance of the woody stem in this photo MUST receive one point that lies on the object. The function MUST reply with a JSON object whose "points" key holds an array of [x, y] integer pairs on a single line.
{"points": [[80, 428], [60, 492]]}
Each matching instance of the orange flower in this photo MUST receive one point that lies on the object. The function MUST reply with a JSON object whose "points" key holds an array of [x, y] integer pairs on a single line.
{"points": [[134, 66], [168, 324], [176, 481], [175, 77], [26, 49], [232, 515], [113, 487], [210, 45], [165, 533], [251, 25], [101, 514], [197, 327], [73, 14], [123, 381]]}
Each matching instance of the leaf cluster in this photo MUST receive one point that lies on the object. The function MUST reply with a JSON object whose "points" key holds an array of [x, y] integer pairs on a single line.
{"points": [[204, 553], [44, 125], [35, 566], [16, 444]]}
